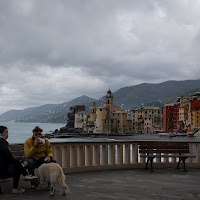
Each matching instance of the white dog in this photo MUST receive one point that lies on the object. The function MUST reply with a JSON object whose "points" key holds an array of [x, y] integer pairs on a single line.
{"points": [[52, 174]]}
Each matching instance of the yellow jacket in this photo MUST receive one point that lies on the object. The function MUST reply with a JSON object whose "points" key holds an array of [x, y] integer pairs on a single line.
{"points": [[43, 150]]}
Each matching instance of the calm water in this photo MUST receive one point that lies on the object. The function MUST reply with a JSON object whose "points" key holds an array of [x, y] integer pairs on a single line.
{"points": [[19, 132]]}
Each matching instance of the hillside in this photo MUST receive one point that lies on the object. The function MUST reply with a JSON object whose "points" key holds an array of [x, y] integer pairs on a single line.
{"points": [[54, 113], [152, 94], [128, 98]]}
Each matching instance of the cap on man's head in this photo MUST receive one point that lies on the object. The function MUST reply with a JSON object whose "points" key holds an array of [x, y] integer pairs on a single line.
{"points": [[37, 129]]}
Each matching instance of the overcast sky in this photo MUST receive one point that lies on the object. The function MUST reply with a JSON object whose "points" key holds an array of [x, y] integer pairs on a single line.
{"points": [[54, 51]]}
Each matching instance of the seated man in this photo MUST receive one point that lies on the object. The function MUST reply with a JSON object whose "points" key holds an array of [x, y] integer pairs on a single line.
{"points": [[37, 150], [9, 167]]}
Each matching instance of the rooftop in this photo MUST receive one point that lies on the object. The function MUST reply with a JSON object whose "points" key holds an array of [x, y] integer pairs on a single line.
{"points": [[134, 184]]}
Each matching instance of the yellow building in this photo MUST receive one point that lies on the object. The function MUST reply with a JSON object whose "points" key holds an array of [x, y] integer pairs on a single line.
{"points": [[93, 115], [111, 119], [183, 113], [195, 118]]}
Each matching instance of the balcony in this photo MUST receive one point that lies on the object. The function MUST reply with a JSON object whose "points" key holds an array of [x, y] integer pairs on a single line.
{"points": [[118, 173]]}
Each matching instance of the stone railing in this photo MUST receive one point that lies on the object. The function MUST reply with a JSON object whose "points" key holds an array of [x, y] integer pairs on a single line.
{"points": [[92, 156]]}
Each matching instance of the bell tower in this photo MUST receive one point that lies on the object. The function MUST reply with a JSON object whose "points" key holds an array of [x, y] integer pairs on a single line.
{"points": [[109, 103]]}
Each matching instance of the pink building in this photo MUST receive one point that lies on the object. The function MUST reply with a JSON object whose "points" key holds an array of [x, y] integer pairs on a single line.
{"points": [[148, 125]]}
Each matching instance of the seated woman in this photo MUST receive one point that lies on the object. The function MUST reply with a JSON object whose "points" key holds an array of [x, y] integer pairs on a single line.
{"points": [[9, 167]]}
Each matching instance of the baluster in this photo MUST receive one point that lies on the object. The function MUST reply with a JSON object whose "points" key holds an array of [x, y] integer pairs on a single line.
{"points": [[173, 158], [81, 156], [120, 154], [73, 157], [88, 155], [198, 153], [166, 159], [104, 160], [158, 159], [111, 154], [58, 155], [127, 153], [65, 157], [191, 150], [134, 153], [96, 155]]}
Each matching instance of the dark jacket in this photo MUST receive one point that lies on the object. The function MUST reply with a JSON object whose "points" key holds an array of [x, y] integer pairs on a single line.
{"points": [[6, 160]]}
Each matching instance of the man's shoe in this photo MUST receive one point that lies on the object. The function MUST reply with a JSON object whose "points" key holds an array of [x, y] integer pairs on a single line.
{"points": [[18, 190], [30, 177]]}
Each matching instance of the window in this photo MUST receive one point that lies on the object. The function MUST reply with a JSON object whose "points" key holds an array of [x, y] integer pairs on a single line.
{"points": [[100, 109]]}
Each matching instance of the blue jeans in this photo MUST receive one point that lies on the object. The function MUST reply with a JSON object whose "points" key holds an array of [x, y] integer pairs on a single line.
{"points": [[34, 163]]}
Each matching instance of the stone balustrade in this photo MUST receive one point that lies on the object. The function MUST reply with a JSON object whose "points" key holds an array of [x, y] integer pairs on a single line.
{"points": [[92, 156]]}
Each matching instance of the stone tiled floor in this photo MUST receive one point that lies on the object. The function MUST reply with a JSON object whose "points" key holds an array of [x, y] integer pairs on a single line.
{"points": [[136, 184]]}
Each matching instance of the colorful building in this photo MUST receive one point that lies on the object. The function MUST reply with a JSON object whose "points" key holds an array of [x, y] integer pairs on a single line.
{"points": [[147, 119], [171, 116], [183, 114], [193, 113]]}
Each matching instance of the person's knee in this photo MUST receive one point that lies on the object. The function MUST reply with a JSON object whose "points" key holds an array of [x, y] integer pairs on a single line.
{"points": [[54, 161], [31, 162]]}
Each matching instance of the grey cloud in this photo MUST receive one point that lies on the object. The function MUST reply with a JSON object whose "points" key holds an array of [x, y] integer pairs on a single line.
{"points": [[55, 51]]}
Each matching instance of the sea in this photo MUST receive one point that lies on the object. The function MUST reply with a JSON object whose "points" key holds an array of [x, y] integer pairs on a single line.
{"points": [[18, 132]]}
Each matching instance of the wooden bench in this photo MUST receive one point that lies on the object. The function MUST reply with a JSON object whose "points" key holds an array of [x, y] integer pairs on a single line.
{"points": [[18, 153], [151, 150]]}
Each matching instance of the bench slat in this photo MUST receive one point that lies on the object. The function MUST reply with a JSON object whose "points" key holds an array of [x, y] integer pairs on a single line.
{"points": [[16, 147], [163, 147], [164, 151]]}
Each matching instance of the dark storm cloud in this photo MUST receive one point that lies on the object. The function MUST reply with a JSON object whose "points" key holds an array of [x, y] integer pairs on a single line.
{"points": [[53, 51]]}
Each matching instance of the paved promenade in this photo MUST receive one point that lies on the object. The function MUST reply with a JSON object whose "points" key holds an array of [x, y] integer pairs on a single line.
{"points": [[135, 184]]}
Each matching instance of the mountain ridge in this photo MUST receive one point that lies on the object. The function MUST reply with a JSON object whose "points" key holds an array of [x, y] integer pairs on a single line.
{"points": [[129, 97]]}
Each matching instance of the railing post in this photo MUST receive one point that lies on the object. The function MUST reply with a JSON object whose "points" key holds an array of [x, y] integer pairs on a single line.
{"points": [[120, 154], [104, 160], [173, 159], [57, 155], [111, 154], [134, 153], [96, 155], [198, 153], [73, 157], [65, 157], [127, 153], [88, 155], [166, 160], [158, 160], [81, 156]]}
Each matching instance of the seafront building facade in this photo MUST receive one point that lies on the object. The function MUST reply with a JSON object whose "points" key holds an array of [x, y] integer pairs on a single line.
{"points": [[170, 116], [147, 120], [181, 115], [110, 119], [105, 119]]}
